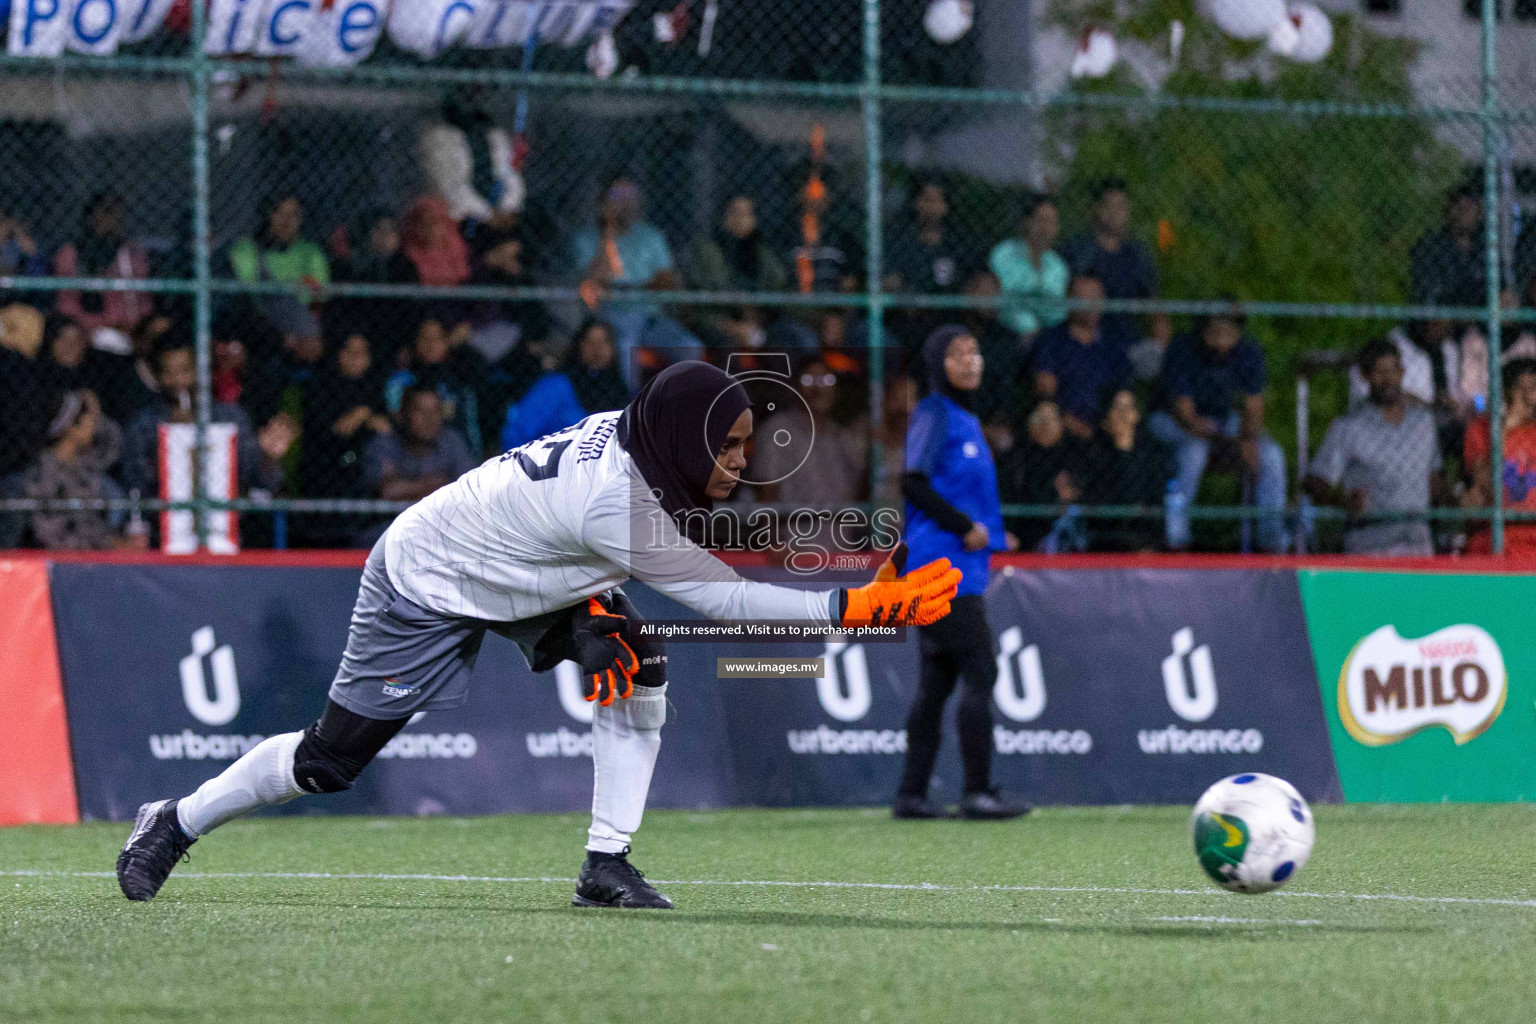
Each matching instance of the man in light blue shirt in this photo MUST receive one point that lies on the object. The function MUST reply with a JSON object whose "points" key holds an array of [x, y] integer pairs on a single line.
{"points": [[624, 250]]}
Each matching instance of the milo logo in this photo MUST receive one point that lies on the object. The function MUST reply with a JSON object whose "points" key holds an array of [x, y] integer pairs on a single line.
{"points": [[1392, 687]]}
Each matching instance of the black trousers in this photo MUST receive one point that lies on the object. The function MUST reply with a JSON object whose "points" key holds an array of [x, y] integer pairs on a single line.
{"points": [[958, 646]]}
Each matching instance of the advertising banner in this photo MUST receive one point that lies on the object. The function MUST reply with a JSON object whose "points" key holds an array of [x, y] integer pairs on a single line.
{"points": [[1428, 681], [174, 671]]}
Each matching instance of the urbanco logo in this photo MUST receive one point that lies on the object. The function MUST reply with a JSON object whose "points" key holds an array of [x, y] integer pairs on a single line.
{"points": [[1392, 687], [1020, 687], [843, 687], [1189, 678], [224, 704]]}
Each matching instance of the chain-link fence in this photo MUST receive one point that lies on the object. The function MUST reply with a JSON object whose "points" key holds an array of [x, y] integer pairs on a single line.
{"points": [[1225, 300]]}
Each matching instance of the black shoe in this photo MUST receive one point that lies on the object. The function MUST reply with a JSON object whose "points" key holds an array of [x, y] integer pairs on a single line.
{"points": [[992, 805], [610, 880], [154, 848], [915, 807]]}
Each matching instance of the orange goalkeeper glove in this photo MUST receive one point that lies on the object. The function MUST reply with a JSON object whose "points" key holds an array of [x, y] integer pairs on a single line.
{"points": [[608, 663], [920, 598]]}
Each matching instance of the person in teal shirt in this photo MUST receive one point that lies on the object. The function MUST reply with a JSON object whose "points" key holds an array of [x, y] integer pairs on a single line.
{"points": [[1033, 277], [625, 250]]}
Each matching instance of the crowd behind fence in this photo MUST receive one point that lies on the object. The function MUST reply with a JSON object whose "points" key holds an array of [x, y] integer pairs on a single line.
{"points": [[367, 280]]}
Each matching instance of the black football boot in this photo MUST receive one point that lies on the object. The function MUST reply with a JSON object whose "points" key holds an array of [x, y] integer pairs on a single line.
{"points": [[610, 880], [152, 850]]}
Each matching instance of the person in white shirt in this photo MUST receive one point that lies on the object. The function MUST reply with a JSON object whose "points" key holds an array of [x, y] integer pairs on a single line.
{"points": [[533, 545]]}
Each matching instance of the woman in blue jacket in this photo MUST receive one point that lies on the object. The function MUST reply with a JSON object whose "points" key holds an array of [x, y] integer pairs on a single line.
{"points": [[953, 512]]}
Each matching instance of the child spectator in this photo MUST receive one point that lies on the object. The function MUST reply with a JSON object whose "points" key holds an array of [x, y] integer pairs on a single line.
{"points": [[103, 249]]}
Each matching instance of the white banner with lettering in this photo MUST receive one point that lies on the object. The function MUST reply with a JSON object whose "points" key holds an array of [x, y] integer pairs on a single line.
{"points": [[325, 33], [221, 481]]}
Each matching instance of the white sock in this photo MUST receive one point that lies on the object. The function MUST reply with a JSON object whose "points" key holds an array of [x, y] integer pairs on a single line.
{"points": [[263, 776], [626, 737]]}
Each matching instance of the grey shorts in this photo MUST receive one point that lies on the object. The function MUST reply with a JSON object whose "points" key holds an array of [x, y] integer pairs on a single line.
{"points": [[402, 658]]}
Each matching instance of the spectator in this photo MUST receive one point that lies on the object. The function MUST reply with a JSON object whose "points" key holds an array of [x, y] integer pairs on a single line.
{"points": [[824, 256], [624, 249], [376, 259], [504, 330], [279, 383], [471, 162], [1077, 367], [442, 361], [24, 398], [1125, 465], [124, 380], [278, 252], [343, 411], [64, 350], [1108, 253], [825, 462], [736, 257], [1047, 469], [421, 455], [925, 256], [259, 452], [81, 445], [103, 250], [229, 368], [1213, 400], [1032, 276], [431, 241], [1417, 364], [1518, 472], [20, 255], [1450, 266], [1381, 460], [589, 382], [1002, 352]]}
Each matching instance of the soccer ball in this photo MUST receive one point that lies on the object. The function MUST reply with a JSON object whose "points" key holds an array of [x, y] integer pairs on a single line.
{"points": [[1252, 832]]}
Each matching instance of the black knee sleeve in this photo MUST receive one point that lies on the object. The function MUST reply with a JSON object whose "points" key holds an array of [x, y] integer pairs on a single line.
{"points": [[337, 747], [652, 653]]}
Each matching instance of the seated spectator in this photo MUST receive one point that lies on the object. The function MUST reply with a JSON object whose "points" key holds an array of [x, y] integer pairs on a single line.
{"points": [[20, 255], [471, 163], [824, 254], [81, 445], [278, 251], [62, 361], [1450, 265], [588, 382], [420, 455], [229, 368], [1417, 363], [1518, 473], [735, 257], [624, 249], [260, 453], [1047, 469], [1032, 276], [374, 258], [834, 469], [1109, 253], [925, 255], [431, 241], [343, 411], [500, 329], [1125, 465], [1380, 460], [278, 384], [443, 362], [124, 380], [1212, 394], [24, 396], [103, 249], [997, 401], [1077, 367]]}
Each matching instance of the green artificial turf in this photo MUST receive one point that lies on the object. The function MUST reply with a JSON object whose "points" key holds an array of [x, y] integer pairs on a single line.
{"points": [[1117, 923]]}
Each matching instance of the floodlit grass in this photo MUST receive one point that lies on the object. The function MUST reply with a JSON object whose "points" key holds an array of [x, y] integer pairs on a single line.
{"points": [[1080, 915]]}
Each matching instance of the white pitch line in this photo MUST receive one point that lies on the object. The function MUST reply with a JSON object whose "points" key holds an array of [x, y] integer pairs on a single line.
{"points": [[1093, 890], [1195, 919]]}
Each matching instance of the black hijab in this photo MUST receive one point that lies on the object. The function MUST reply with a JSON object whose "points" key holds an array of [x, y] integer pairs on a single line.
{"points": [[935, 350], [596, 390], [674, 428]]}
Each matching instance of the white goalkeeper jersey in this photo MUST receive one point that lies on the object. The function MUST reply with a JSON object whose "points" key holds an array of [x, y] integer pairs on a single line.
{"points": [[561, 519]]}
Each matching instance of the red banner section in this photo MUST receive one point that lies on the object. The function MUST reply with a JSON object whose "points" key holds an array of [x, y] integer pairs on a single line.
{"points": [[34, 734]]}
